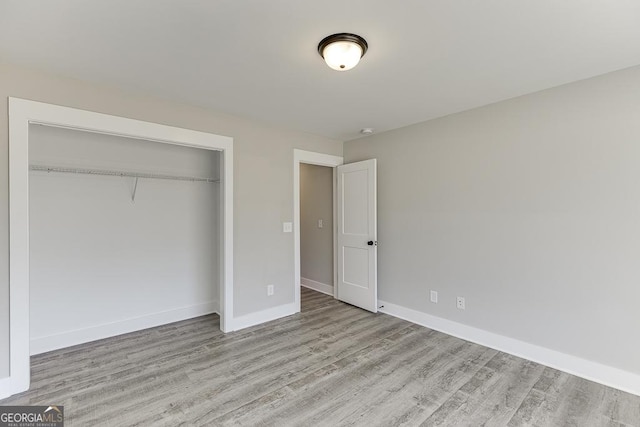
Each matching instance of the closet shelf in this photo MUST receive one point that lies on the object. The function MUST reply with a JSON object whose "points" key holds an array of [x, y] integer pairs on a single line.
{"points": [[103, 172]]}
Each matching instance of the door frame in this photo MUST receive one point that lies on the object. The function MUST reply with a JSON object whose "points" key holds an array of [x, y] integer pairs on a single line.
{"points": [[318, 159], [22, 113]]}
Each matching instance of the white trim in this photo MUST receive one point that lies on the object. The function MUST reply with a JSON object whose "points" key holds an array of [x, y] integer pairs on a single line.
{"points": [[22, 113], [335, 232], [5, 388], [593, 371], [226, 244], [316, 286], [263, 316], [320, 159], [98, 332]]}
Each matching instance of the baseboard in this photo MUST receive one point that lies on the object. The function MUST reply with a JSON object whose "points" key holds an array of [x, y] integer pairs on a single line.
{"points": [[316, 286], [5, 388], [263, 316], [79, 336], [593, 371]]}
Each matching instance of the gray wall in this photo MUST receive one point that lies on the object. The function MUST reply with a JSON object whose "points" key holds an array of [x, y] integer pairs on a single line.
{"points": [[263, 180], [316, 244], [98, 257], [529, 208]]}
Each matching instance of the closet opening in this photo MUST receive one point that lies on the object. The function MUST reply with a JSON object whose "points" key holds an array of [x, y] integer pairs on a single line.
{"points": [[132, 228], [124, 235]]}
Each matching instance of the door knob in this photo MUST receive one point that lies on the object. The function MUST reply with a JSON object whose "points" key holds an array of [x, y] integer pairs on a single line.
{"points": [[370, 243]]}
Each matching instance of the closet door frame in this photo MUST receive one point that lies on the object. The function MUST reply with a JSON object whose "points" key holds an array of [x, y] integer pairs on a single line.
{"points": [[22, 113]]}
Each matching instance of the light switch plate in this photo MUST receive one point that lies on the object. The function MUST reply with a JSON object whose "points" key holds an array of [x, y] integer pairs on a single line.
{"points": [[320, 223], [287, 227], [434, 297]]}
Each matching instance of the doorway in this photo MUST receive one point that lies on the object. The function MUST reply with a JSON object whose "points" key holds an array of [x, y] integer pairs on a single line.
{"points": [[354, 228], [300, 158], [316, 229]]}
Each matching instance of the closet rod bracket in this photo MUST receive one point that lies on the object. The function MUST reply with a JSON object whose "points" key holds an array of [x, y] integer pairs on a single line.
{"points": [[135, 188]]}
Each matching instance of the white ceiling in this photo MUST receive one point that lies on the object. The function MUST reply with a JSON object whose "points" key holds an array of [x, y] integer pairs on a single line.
{"points": [[258, 58]]}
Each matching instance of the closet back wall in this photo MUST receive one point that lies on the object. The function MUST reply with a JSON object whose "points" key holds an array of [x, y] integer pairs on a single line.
{"points": [[102, 264]]}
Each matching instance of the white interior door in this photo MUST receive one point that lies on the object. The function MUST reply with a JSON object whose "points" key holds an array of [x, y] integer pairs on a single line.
{"points": [[357, 235]]}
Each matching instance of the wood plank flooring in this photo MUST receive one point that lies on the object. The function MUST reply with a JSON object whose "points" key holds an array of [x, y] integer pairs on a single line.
{"points": [[331, 365]]}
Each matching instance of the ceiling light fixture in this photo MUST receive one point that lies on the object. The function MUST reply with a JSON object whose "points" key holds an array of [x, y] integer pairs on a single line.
{"points": [[342, 51]]}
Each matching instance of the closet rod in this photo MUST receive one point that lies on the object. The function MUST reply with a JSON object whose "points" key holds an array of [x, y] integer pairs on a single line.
{"points": [[102, 172]]}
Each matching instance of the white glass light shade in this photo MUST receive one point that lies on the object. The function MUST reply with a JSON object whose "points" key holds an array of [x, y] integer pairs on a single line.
{"points": [[342, 55], [342, 51]]}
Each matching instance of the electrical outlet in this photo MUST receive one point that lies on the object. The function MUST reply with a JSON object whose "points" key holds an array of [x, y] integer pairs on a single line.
{"points": [[460, 303], [287, 227], [320, 223], [434, 297], [269, 290]]}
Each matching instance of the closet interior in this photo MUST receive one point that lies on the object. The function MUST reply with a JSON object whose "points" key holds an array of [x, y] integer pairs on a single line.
{"points": [[124, 235]]}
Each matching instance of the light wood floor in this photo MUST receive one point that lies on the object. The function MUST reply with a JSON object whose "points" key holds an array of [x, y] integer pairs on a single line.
{"points": [[331, 365]]}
